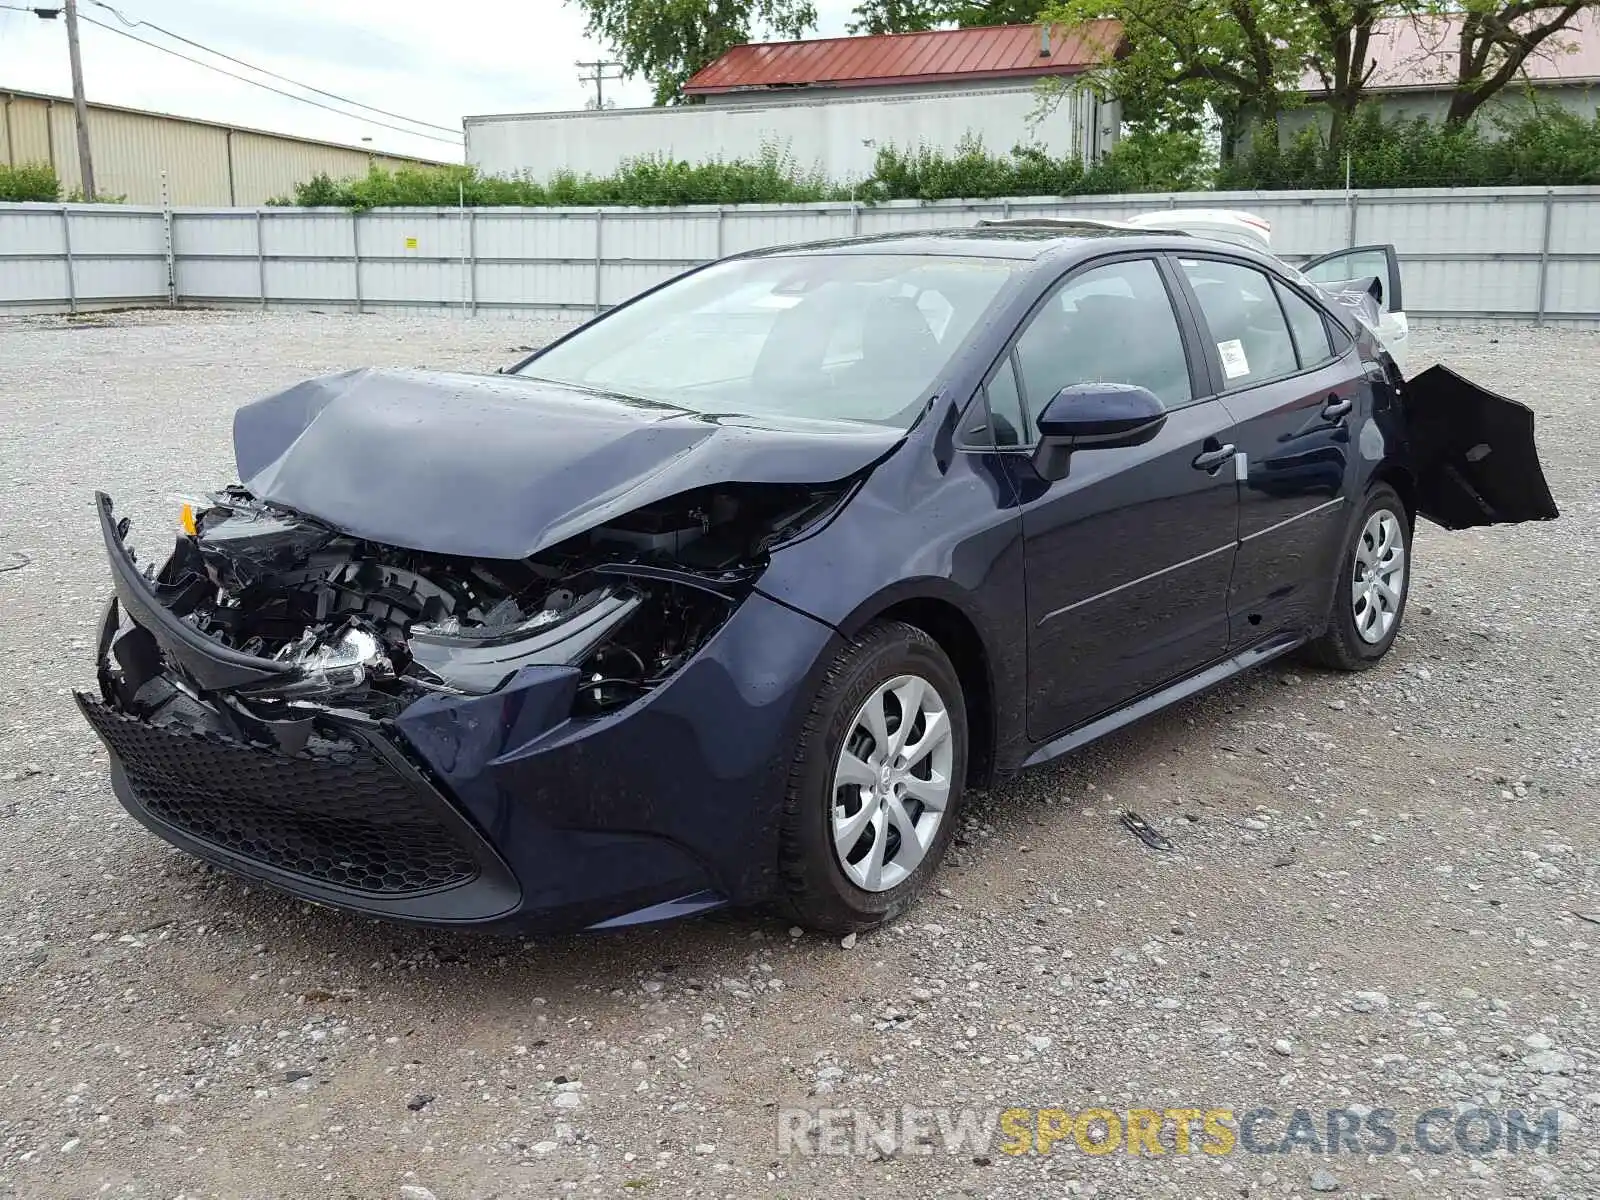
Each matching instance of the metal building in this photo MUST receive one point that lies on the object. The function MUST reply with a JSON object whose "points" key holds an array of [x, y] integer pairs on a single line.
{"points": [[830, 104], [206, 163]]}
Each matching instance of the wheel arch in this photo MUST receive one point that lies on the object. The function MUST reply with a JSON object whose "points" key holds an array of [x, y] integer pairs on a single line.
{"points": [[949, 623], [1403, 480]]}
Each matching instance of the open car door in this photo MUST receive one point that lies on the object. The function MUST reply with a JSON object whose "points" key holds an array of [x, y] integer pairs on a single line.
{"points": [[1354, 270], [1474, 454]]}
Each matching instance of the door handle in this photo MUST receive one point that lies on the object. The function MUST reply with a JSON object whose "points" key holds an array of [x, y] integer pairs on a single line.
{"points": [[1212, 460], [1337, 407]]}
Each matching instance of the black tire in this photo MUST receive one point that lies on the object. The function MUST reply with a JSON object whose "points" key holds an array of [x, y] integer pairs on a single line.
{"points": [[1342, 647], [816, 892]]}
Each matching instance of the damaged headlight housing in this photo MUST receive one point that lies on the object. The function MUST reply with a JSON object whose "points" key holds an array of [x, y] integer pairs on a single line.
{"points": [[564, 630], [325, 666]]}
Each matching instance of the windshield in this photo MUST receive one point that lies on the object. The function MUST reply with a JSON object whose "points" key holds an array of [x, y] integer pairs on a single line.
{"points": [[831, 337]]}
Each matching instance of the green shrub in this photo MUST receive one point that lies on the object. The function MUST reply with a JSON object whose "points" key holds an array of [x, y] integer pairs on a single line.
{"points": [[30, 181], [771, 178], [1151, 161], [1526, 147]]}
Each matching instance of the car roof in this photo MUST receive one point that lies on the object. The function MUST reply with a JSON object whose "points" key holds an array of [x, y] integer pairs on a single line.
{"points": [[1012, 239]]}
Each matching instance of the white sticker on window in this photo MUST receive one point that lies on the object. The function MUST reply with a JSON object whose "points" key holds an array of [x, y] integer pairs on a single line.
{"points": [[1234, 363]]}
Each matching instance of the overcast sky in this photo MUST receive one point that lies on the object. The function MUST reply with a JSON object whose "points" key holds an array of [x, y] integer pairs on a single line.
{"points": [[433, 60]]}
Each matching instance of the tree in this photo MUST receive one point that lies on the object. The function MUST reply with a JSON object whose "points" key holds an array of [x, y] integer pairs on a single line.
{"points": [[1336, 48], [913, 16], [667, 41], [1178, 56], [897, 16], [1494, 42]]}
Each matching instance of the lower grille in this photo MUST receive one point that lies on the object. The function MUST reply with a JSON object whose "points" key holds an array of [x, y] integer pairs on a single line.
{"points": [[347, 820]]}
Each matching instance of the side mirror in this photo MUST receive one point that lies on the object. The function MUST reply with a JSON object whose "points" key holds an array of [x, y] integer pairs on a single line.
{"points": [[1094, 416]]}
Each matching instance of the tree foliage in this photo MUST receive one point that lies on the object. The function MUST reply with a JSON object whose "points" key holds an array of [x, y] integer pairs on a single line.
{"points": [[1249, 56], [911, 16], [1179, 56], [29, 181], [1495, 41], [667, 41]]}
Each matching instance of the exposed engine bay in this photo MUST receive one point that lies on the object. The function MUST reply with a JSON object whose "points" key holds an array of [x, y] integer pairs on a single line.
{"points": [[370, 628]]}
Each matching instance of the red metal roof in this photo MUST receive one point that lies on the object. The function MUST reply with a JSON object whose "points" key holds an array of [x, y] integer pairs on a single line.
{"points": [[938, 56]]}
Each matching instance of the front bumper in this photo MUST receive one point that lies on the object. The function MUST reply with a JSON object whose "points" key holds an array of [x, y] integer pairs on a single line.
{"points": [[499, 810], [354, 825]]}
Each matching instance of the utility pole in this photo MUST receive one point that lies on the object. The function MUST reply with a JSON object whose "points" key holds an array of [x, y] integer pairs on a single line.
{"points": [[597, 75], [85, 161]]}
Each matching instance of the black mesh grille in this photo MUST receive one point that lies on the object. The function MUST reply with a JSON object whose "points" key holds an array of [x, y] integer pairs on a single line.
{"points": [[349, 820]]}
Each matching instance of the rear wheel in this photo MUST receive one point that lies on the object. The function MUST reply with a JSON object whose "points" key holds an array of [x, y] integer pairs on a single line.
{"points": [[1369, 597], [876, 781]]}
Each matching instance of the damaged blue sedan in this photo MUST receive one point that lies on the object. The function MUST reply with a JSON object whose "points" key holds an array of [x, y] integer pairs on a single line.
{"points": [[731, 595]]}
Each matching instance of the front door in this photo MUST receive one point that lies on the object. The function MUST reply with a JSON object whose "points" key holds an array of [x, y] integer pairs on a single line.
{"points": [[1127, 558]]}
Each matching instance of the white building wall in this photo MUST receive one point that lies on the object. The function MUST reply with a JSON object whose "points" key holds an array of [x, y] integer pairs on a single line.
{"points": [[836, 138]]}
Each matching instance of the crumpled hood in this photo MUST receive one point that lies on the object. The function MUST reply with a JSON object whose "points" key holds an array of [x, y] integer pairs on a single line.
{"points": [[501, 467]]}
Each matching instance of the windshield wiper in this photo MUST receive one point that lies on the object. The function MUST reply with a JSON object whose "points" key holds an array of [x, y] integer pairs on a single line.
{"points": [[589, 389]]}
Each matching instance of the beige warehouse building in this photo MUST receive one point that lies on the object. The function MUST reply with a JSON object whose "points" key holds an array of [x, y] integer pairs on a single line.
{"points": [[205, 162]]}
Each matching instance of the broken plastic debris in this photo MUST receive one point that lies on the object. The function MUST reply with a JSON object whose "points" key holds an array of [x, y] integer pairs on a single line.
{"points": [[1145, 832]]}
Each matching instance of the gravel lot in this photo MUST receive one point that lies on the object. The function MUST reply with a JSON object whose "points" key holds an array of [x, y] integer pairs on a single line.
{"points": [[1374, 898]]}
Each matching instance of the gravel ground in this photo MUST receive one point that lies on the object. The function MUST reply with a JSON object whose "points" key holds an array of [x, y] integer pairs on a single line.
{"points": [[1374, 898]]}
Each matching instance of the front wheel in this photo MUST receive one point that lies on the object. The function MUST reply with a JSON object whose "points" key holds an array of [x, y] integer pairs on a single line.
{"points": [[1369, 595], [876, 781]]}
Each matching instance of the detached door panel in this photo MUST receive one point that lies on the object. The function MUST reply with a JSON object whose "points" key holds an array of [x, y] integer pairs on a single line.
{"points": [[1474, 452]]}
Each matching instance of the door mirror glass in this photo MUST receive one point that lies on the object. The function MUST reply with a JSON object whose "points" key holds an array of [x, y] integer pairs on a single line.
{"points": [[1088, 416]]}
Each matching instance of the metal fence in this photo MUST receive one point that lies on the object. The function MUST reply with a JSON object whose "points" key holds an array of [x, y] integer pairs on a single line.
{"points": [[1523, 254]]}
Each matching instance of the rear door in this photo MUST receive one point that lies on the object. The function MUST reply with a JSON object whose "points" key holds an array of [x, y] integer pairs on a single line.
{"points": [[1294, 393]]}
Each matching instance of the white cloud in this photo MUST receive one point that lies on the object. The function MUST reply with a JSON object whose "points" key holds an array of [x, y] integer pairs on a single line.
{"points": [[428, 59]]}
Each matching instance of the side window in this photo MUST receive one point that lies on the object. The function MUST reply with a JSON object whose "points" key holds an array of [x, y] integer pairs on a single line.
{"points": [[1110, 324], [1307, 324], [1007, 421], [1245, 323], [1341, 337]]}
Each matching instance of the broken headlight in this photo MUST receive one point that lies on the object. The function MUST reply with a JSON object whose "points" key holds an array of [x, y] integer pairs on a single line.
{"points": [[626, 635], [561, 632], [329, 665]]}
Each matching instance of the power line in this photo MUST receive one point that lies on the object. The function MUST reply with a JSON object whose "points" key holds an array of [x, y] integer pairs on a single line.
{"points": [[455, 141], [131, 24]]}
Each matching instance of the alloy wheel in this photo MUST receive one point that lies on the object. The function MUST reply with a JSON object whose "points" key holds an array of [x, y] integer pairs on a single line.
{"points": [[1378, 577], [891, 784]]}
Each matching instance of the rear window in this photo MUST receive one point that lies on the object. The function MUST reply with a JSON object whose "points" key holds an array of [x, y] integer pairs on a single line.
{"points": [[1244, 320], [1308, 325]]}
